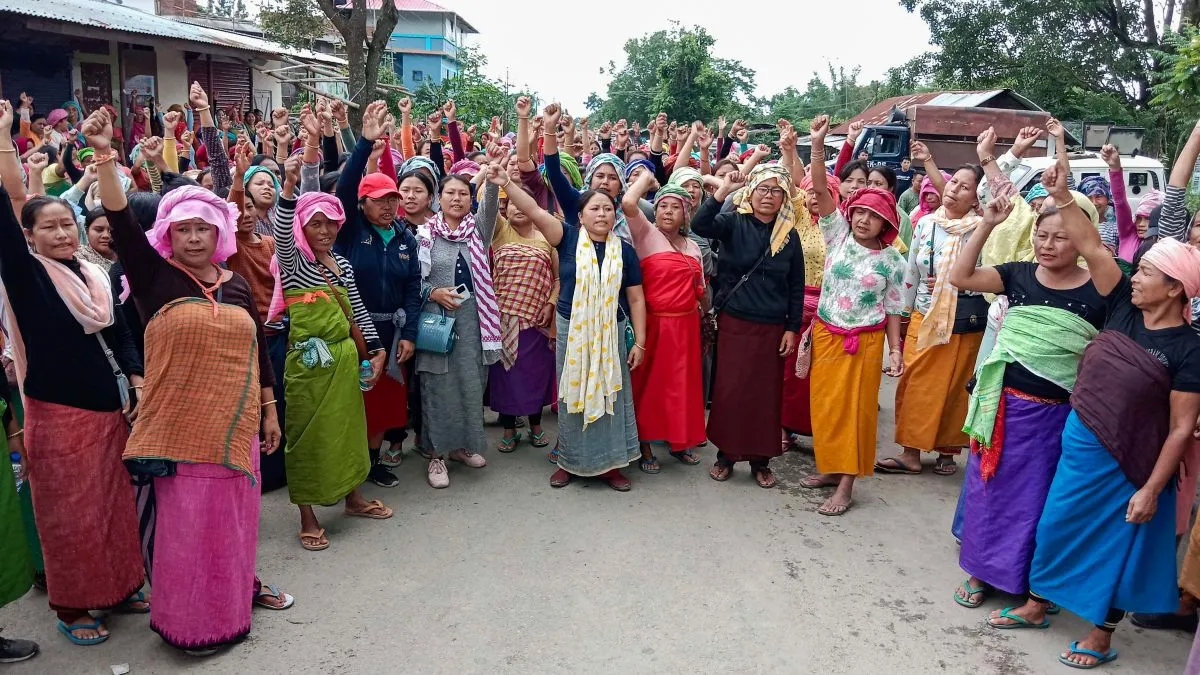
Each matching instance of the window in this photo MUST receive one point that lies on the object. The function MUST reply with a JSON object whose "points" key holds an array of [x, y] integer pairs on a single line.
{"points": [[418, 76], [1140, 181]]}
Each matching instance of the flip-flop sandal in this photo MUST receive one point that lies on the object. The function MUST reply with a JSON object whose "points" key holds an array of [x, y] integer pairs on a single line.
{"points": [[392, 457], [945, 466], [686, 456], [721, 478], [896, 467], [200, 653], [1101, 659], [810, 484], [509, 444], [126, 607], [966, 586], [765, 479], [270, 591], [1021, 622], [836, 510], [553, 455], [374, 510], [538, 440], [95, 625], [649, 464], [320, 542]]}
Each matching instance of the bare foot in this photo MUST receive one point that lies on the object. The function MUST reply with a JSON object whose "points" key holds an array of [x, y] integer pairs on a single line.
{"points": [[1033, 612]]}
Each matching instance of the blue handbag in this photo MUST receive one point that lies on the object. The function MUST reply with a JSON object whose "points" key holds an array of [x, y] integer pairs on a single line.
{"points": [[435, 332]]}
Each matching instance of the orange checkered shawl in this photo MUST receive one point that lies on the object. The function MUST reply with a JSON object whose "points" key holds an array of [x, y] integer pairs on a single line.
{"points": [[524, 284], [201, 399]]}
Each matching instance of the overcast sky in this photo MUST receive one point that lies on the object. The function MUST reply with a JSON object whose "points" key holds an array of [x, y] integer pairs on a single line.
{"points": [[560, 57]]}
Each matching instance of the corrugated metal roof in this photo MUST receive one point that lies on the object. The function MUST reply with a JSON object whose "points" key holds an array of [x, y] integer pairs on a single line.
{"points": [[110, 16], [878, 113]]}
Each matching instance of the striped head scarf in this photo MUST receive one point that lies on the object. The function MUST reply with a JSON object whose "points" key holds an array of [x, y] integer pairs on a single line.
{"points": [[670, 191], [423, 162], [621, 225], [1038, 191], [795, 205]]}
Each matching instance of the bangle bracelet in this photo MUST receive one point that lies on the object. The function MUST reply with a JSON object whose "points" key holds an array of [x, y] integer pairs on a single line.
{"points": [[1064, 205], [18, 432], [271, 402], [200, 109], [12, 150], [639, 346]]}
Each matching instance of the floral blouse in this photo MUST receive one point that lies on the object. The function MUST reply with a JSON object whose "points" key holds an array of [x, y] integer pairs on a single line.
{"points": [[928, 241], [861, 286]]}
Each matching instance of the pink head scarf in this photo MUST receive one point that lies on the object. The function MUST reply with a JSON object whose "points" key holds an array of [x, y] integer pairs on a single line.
{"points": [[193, 201], [927, 188], [1180, 262], [1151, 201], [309, 204], [465, 166]]}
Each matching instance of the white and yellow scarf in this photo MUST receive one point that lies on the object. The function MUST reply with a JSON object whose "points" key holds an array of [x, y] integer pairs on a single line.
{"points": [[938, 326], [591, 376]]}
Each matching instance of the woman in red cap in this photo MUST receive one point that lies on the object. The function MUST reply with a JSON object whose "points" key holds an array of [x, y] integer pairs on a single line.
{"points": [[860, 299]]}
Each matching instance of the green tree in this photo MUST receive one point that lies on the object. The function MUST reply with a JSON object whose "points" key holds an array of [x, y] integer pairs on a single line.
{"points": [[477, 97], [673, 71], [293, 23]]}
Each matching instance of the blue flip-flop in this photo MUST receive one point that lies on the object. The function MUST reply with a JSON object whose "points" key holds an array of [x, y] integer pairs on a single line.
{"points": [[83, 642], [1021, 622], [1101, 659], [126, 606]]}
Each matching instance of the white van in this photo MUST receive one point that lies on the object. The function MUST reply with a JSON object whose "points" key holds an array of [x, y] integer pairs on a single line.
{"points": [[1142, 174]]}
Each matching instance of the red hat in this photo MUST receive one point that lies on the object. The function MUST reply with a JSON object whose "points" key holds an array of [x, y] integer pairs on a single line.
{"points": [[376, 186]]}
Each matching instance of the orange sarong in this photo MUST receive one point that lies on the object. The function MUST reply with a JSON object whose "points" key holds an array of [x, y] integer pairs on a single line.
{"points": [[201, 400], [931, 397], [845, 400]]}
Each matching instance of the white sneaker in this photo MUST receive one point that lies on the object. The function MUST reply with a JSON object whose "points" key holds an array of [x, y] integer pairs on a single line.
{"points": [[438, 478], [469, 458]]}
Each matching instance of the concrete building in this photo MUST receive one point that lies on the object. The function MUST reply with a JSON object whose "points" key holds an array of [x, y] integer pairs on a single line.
{"points": [[119, 52], [424, 45]]}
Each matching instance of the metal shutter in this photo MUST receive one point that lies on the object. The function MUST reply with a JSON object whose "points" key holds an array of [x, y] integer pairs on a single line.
{"points": [[44, 75], [227, 83]]}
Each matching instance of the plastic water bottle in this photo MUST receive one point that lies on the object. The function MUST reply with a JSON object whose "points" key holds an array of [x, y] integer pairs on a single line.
{"points": [[15, 458], [364, 376]]}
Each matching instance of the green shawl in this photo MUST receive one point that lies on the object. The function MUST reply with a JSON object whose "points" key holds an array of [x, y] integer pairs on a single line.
{"points": [[1046, 340]]}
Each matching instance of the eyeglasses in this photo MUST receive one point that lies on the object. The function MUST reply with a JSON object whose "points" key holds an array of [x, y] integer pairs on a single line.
{"points": [[764, 191]]}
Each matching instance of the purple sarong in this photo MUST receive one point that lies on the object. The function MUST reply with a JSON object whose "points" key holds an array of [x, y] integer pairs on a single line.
{"points": [[1000, 515], [529, 385]]}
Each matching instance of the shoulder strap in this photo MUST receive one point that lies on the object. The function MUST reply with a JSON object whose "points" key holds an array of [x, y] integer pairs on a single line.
{"points": [[717, 307], [336, 297], [108, 353]]}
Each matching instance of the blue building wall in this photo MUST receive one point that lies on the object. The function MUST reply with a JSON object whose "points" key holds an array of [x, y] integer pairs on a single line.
{"points": [[420, 58]]}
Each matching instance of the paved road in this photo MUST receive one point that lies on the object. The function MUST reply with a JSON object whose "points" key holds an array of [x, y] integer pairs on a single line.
{"points": [[502, 574]]}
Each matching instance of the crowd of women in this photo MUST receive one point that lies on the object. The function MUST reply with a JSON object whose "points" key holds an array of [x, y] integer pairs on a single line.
{"points": [[257, 305]]}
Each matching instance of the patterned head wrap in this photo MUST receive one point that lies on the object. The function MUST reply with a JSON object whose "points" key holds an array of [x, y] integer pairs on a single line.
{"points": [[465, 166], [1151, 201], [1095, 186], [1038, 191], [193, 201], [423, 162], [84, 153], [632, 166], [601, 160], [832, 185], [795, 206], [683, 175]]}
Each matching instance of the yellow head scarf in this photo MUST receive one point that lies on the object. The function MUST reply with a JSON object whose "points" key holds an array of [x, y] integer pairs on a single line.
{"points": [[793, 212]]}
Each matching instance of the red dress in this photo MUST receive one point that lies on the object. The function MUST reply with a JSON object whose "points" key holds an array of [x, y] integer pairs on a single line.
{"points": [[797, 418], [668, 389]]}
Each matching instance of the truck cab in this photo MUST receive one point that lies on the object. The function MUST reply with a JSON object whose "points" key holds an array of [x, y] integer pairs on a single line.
{"points": [[1142, 174]]}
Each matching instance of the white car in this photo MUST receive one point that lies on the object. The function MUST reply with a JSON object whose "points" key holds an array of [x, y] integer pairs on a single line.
{"points": [[1142, 174]]}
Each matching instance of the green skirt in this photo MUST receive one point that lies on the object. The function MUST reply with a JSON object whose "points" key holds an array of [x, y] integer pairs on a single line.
{"points": [[16, 565], [325, 423]]}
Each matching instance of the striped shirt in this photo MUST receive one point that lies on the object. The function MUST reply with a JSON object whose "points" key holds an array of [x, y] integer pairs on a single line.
{"points": [[1173, 222], [297, 272]]}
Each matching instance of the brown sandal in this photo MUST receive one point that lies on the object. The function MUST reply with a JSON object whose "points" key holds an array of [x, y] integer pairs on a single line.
{"points": [[720, 472], [374, 509], [314, 541], [765, 478]]}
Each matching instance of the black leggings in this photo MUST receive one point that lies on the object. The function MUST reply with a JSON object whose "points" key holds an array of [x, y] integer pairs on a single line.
{"points": [[510, 421], [1111, 620]]}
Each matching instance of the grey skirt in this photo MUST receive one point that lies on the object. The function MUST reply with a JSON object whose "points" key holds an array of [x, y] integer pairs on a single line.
{"points": [[610, 442]]}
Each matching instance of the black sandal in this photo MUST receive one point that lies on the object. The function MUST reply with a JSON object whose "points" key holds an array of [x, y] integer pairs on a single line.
{"points": [[649, 464], [686, 456]]}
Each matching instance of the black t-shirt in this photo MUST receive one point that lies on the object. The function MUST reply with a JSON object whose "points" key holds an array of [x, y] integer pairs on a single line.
{"points": [[904, 180], [1022, 288], [1176, 348]]}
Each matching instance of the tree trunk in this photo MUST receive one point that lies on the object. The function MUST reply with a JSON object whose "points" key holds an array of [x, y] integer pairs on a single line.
{"points": [[361, 79], [1190, 12]]}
